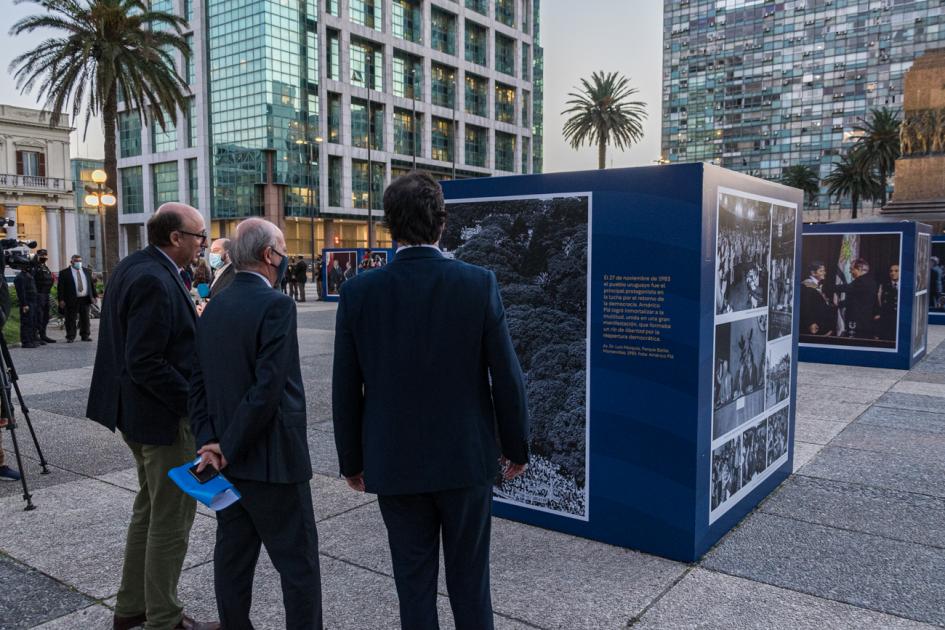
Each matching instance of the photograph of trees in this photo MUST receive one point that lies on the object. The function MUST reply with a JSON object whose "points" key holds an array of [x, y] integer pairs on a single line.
{"points": [[537, 248]]}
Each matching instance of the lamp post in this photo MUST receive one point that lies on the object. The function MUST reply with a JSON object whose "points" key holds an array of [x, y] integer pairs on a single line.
{"points": [[311, 194], [100, 196], [413, 120], [356, 75]]}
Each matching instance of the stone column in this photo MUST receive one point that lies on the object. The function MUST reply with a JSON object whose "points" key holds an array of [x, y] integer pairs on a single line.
{"points": [[10, 213], [54, 243], [70, 237]]}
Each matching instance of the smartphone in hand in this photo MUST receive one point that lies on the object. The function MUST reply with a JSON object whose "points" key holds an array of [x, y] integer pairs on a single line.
{"points": [[208, 473]]}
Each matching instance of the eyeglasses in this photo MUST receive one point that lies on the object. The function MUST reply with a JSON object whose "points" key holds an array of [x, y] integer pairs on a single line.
{"points": [[202, 235]]}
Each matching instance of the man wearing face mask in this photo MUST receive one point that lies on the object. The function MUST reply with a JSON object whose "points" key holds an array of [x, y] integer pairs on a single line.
{"points": [[44, 280], [220, 263], [76, 294], [249, 421]]}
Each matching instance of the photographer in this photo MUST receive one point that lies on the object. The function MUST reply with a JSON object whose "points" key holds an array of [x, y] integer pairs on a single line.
{"points": [[27, 296]]}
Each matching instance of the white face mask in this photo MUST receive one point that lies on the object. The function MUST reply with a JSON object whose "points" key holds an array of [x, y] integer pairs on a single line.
{"points": [[216, 260]]}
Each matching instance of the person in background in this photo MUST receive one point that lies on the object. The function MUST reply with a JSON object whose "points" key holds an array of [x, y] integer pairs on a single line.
{"points": [[936, 273], [301, 276], [26, 296], [223, 271], [889, 305], [76, 291], [319, 270], [290, 278], [44, 282], [140, 385], [247, 412], [427, 436]]}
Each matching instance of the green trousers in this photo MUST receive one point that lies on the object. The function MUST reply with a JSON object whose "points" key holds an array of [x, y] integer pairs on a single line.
{"points": [[158, 534]]}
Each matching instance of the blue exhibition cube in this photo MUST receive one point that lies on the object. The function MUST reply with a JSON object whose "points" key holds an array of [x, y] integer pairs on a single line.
{"points": [[936, 281], [653, 312], [864, 293], [343, 263]]}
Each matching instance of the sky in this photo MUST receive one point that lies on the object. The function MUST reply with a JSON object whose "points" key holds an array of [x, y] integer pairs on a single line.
{"points": [[578, 37]]}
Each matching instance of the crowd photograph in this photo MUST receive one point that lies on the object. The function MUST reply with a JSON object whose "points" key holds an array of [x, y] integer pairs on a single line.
{"points": [[937, 278], [778, 372], [739, 373], [781, 293], [743, 247]]}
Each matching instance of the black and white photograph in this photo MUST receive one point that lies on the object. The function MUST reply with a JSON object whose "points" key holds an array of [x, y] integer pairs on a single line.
{"points": [[937, 278], [341, 266], [923, 249], [742, 250], [920, 323], [778, 434], [777, 372], [739, 373], [538, 249], [850, 290], [781, 285], [726, 471], [754, 451]]}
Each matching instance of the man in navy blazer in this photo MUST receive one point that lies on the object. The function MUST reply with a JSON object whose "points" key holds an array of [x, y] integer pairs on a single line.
{"points": [[140, 385], [425, 376], [247, 410]]}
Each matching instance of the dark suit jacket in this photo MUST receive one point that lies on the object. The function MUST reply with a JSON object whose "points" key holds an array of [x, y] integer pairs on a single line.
{"points": [[225, 279], [415, 345], [246, 389], [66, 290], [862, 303], [145, 350]]}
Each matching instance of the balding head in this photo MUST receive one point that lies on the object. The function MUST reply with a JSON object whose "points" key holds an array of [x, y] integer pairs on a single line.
{"points": [[179, 231], [220, 246], [258, 246]]}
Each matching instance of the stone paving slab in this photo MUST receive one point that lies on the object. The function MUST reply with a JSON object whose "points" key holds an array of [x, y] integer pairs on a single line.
{"points": [[706, 600], [832, 410], [321, 447], [85, 619], [915, 402], [817, 431], [903, 419], [889, 576], [896, 515], [920, 446], [882, 470], [71, 403], [923, 388], [314, 342], [35, 480], [924, 377], [30, 598], [60, 380], [803, 453], [816, 393], [78, 535], [605, 586]]}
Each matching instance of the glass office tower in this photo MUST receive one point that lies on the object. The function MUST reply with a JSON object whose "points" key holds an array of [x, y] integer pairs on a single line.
{"points": [[758, 86]]}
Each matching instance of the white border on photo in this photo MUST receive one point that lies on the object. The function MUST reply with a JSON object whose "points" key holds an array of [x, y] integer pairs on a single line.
{"points": [[898, 303], [587, 377], [331, 257]]}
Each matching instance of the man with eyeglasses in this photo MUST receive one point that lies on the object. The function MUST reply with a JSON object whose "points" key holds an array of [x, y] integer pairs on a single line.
{"points": [[140, 386]]}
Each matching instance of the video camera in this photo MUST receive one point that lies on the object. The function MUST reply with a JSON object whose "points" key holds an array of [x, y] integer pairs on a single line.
{"points": [[16, 253]]}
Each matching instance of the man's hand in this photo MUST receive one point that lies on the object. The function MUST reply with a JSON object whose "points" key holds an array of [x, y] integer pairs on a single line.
{"points": [[211, 454], [62, 305], [356, 482], [4, 422], [25, 308], [511, 470], [200, 308]]}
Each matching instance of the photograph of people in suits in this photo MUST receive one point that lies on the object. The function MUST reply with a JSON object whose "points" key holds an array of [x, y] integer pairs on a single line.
{"points": [[726, 471], [850, 295], [341, 267]]}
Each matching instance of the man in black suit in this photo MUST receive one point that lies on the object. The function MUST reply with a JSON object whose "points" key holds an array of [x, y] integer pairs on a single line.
{"points": [[301, 276], [222, 265], [247, 410], [423, 436], [76, 291], [140, 385], [861, 301]]}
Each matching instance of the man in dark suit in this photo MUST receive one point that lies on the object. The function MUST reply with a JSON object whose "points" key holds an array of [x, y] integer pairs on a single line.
{"points": [[76, 291], [140, 385], [247, 410], [301, 276], [423, 436], [861, 301], [818, 314], [222, 265]]}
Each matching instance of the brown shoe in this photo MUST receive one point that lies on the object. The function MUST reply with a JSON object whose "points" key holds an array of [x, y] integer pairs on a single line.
{"points": [[188, 623], [126, 623]]}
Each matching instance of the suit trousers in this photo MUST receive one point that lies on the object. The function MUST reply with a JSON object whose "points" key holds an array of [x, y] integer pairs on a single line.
{"points": [[301, 291], [28, 322], [279, 516], [79, 309], [158, 534], [42, 314], [415, 523]]}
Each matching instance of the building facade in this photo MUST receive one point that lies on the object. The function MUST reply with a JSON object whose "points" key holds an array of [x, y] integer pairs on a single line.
{"points": [[757, 86], [88, 218], [302, 112], [35, 181]]}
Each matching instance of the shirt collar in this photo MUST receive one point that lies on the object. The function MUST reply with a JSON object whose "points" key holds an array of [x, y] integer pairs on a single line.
{"points": [[432, 246], [259, 275], [163, 253]]}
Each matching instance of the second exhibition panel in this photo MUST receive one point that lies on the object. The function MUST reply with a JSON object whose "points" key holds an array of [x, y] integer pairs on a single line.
{"points": [[937, 281], [654, 315], [864, 293], [341, 264]]}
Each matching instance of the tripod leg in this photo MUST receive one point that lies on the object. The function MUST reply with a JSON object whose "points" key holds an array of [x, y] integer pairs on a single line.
{"points": [[29, 425], [19, 462]]}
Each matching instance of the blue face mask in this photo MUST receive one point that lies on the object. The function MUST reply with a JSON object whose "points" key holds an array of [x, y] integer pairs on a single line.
{"points": [[282, 267], [77, 265], [216, 260]]}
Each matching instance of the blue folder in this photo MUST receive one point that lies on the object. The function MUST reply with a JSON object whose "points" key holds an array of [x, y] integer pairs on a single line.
{"points": [[216, 494], [203, 290]]}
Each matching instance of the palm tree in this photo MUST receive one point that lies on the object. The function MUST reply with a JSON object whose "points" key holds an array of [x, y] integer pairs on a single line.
{"points": [[804, 177], [855, 176], [106, 46], [601, 114], [880, 140]]}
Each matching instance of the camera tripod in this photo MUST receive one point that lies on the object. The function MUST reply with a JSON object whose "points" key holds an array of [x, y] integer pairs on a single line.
{"points": [[9, 377]]}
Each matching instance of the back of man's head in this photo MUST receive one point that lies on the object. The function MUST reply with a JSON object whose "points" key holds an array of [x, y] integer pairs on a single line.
{"points": [[161, 224], [414, 211], [249, 243]]}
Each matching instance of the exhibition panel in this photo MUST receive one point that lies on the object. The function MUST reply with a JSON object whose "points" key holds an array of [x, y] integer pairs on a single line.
{"points": [[937, 281], [653, 312], [341, 264]]}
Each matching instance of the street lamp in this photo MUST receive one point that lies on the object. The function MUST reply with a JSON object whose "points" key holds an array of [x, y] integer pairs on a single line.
{"points": [[311, 193], [356, 75], [413, 121], [100, 196]]}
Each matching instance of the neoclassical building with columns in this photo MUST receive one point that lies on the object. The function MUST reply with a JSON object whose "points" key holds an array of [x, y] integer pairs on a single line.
{"points": [[36, 181]]}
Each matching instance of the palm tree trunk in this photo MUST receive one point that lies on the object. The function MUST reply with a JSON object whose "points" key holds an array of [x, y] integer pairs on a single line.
{"points": [[854, 198], [602, 153], [882, 178], [110, 227]]}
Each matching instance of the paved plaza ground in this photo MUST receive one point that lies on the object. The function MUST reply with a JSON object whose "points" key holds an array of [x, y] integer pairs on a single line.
{"points": [[854, 539]]}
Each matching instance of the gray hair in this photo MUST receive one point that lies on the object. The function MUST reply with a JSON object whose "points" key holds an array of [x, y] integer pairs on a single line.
{"points": [[252, 238]]}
